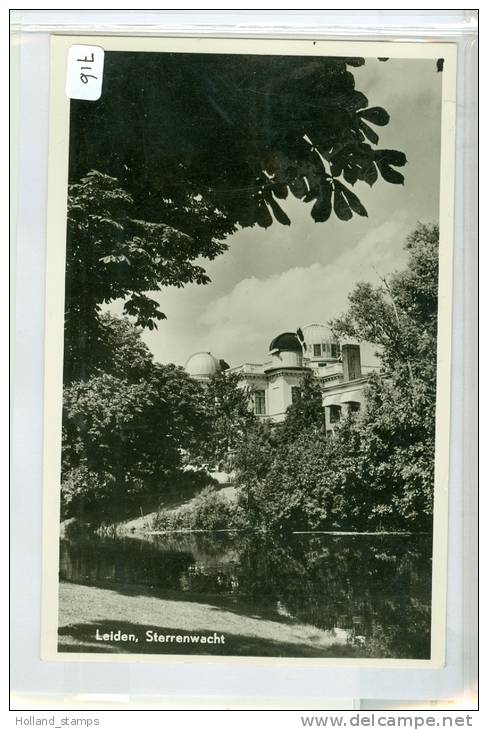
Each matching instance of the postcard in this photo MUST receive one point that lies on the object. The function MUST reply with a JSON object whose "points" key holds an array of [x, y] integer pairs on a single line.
{"points": [[248, 340]]}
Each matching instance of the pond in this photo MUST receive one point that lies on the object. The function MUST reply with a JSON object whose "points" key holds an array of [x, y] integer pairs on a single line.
{"points": [[345, 595]]}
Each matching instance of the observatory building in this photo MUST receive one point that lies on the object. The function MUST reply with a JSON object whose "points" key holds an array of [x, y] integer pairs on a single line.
{"points": [[275, 382]]}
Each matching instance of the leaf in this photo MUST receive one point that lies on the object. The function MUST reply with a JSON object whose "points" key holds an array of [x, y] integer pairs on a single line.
{"points": [[280, 190], [355, 61], [263, 217], [278, 212], [246, 212], [369, 133], [113, 259], [357, 101], [376, 115], [391, 157], [389, 174], [298, 187], [336, 168], [354, 202], [350, 175], [370, 173], [322, 208], [341, 208]]}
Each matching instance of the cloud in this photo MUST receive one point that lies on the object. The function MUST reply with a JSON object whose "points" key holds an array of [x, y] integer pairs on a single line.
{"points": [[240, 324]]}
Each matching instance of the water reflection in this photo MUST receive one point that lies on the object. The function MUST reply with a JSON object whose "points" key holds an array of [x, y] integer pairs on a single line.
{"points": [[372, 591]]}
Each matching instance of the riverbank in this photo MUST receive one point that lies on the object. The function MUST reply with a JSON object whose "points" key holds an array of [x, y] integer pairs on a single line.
{"points": [[212, 508], [86, 610], [205, 508]]}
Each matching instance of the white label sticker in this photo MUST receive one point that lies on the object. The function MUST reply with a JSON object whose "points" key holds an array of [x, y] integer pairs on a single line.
{"points": [[84, 74]]}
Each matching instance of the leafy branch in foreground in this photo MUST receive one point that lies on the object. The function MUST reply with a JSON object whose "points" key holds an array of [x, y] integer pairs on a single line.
{"points": [[210, 145], [215, 141], [112, 255]]}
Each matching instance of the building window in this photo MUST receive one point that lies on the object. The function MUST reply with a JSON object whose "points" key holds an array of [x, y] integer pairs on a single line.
{"points": [[317, 350], [295, 393], [354, 406], [335, 350], [325, 349], [259, 403], [334, 414]]}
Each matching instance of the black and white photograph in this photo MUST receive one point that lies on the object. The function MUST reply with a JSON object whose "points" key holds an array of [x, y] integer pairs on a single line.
{"points": [[248, 351]]}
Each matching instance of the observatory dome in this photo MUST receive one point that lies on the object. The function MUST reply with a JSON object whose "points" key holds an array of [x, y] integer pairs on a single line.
{"points": [[320, 342], [202, 365], [287, 341]]}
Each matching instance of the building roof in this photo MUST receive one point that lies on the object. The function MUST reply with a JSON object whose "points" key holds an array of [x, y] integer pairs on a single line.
{"points": [[286, 341]]}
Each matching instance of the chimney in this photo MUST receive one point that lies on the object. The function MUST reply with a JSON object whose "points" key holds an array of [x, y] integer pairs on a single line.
{"points": [[351, 362]]}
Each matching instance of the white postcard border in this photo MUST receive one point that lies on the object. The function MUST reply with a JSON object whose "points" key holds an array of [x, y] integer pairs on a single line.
{"points": [[55, 277]]}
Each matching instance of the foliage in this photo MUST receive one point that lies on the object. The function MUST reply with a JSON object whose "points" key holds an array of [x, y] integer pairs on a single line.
{"points": [[133, 425], [226, 402], [398, 431], [307, 412], [256, 452], [124, 439], [377, 470], [120, 351], [208, 145], [112, 255], [401, 315], [210, 510], [310, 483], [204, 149]]}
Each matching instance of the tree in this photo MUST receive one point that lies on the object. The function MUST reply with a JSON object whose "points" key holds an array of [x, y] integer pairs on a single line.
{"points": [[306, 413], [119, 351], [397, 440], [226, 404], [111, 255], [125, 431], [306, 483], [376, 471], [205, 142], [397, 434], [400, 316], [252, 461]]}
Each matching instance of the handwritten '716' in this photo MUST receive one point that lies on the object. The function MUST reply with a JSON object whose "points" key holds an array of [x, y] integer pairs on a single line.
{"points": [[83, 76]]}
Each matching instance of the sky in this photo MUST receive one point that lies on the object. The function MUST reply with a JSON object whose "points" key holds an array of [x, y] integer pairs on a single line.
{"points": [[277, 279]]}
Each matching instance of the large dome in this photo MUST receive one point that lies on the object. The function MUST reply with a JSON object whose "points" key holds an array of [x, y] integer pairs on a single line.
{"points": [[286, 341], [320, 342], [317, 333], [202, 365]]}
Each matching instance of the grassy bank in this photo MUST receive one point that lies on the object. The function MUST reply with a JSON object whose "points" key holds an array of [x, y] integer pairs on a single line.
{"points": [[85, 609], [212, 507]]}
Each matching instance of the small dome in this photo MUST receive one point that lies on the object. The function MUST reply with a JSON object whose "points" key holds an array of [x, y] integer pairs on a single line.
{"points": [[202, 365], [286, 341]]}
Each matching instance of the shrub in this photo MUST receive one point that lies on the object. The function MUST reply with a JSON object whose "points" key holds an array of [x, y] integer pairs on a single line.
{"points": [[210, 510]]}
